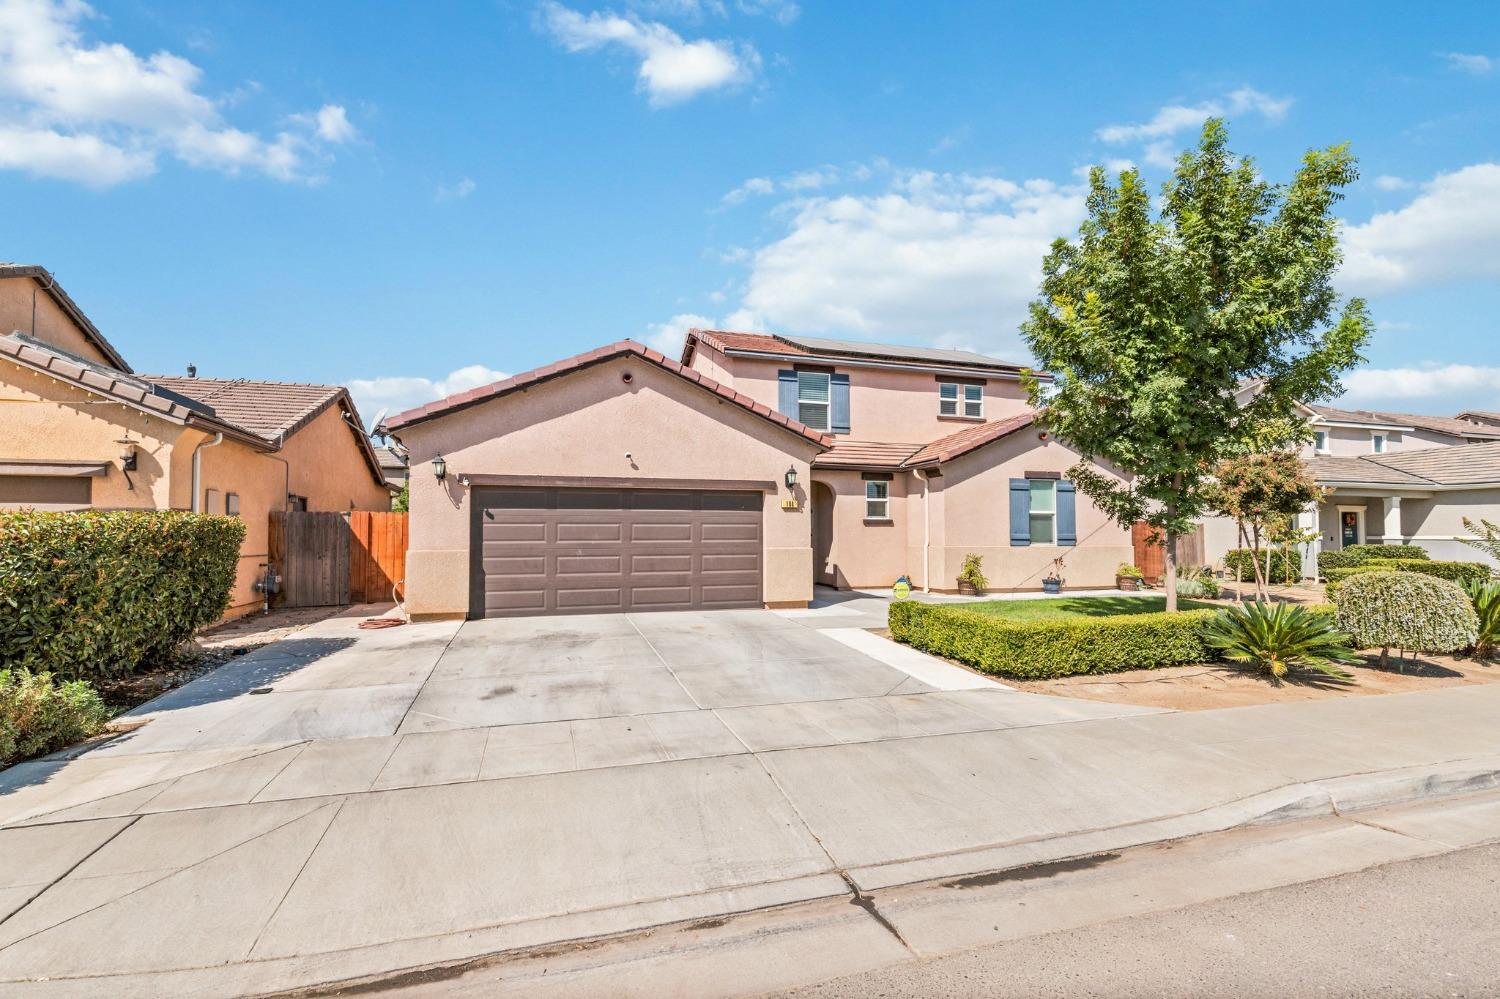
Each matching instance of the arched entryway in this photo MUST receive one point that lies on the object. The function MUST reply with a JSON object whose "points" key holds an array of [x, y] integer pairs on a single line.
{"points": [[822, 531]]}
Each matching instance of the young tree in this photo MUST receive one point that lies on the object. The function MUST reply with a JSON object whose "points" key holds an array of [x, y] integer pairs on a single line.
{"points": [[1154, 324], [1262, 493]]}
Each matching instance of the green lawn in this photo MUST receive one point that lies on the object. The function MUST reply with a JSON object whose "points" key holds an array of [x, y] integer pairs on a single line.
{"points": [[1064, 607]]}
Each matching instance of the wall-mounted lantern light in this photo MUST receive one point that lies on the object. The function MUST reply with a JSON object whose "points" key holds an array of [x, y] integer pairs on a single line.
{"points": [[439, 467], [791, 477]]}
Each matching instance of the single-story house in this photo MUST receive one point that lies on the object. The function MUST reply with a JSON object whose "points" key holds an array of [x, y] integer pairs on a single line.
{"points": [[737, 476], [83, 431]]}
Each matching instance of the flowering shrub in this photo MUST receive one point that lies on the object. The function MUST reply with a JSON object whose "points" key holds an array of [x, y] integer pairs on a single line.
{"points": [[1405, 610]]}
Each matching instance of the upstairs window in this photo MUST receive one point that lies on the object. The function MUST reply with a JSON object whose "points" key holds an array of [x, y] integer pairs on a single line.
{"points": [[814, 392], [955, 399], [1320, 441], [1377, 443]]}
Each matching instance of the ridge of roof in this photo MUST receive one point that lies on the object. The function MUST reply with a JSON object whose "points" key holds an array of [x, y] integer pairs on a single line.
{"points": [[495, 390], [65, 302], [854, 350], [269, 409]]}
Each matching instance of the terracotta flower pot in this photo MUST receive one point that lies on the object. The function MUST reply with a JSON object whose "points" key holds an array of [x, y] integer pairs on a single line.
{"points": [[968, 589], [1127, 583]]}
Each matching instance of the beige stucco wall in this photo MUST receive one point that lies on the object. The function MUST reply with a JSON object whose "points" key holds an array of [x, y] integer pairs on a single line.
{"points": [[47, 419], [976, 505], [867, 553], [1435, 523], [53, 325], [884, 405], [584, 424]]}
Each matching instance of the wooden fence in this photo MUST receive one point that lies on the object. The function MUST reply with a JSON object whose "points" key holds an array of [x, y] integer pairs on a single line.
{"points": [[331, 559], [1150, 554]]}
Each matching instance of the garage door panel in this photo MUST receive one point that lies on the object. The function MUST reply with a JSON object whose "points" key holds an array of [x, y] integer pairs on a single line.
{"points": [[578, 551]]}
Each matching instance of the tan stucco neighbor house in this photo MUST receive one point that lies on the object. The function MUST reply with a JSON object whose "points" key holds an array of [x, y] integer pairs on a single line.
{"points": [[738, 476], [83, 431]]}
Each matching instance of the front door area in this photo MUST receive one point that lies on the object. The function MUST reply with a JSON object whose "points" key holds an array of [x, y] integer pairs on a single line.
{"points": [[592, 551], [1351, 527]]}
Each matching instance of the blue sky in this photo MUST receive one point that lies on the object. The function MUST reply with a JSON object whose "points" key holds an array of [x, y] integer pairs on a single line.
{"points": [[409, 198]]}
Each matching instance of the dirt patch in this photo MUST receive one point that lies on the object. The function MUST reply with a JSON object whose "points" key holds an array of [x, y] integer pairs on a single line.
{"points": [[1218, 685]]}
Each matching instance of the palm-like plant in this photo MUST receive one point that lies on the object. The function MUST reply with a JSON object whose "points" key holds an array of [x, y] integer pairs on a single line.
{"points": [[1485, 597], [1280, 639]]}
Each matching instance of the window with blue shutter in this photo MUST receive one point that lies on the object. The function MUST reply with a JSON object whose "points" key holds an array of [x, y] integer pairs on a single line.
{"points": [[840, 414], [1020, 512], [786, 398], [1067, 513], [1043, 511]]}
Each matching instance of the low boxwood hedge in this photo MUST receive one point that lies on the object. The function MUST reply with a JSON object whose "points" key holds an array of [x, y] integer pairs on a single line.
{"points": [[1286, 566], [1039, 650], [1455, 572], [96, 593], [1353, 555]]}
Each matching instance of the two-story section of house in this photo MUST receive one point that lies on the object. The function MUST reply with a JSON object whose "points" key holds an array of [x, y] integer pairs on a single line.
{"points": [[738, 476]]}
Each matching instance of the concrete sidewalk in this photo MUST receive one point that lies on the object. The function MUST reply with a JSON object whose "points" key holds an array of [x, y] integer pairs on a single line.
{"points": [[352, 824]]}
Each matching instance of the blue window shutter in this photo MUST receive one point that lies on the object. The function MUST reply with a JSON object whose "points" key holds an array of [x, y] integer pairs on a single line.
{"points": [[1067, 513], [787, 399], [839, 408], [1020, 512]]}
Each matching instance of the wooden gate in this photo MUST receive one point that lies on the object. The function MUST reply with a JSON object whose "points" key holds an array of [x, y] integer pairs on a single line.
{"points": [[377, 557], [311, 553], [1150, 553]]}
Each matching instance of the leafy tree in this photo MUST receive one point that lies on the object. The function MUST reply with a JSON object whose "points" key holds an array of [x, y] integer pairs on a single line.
{"points": [[1262, 493], [402, 502], [1176, 336]]}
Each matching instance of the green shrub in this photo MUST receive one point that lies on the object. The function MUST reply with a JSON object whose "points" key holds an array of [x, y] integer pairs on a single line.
{"points": [[1485, 596], [1336, 577], [1358, 554], [973, 572], [1281, 638], [1038, 650], [96, 593], [1456, 572], [1196, 581], [1286, 566], [1406, 610], [1127, 571], [38, 716]]}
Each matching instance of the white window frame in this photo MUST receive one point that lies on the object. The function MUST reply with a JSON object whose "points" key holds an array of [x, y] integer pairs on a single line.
{"points": [[826, 402], [877, 499], [1049, 515], [961, 399], [1320, 442], [1379, 442]]}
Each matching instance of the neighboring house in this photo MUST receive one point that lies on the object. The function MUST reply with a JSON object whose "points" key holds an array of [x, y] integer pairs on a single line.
{"points": [[1395, 478], [622, 479], [85, 432], [393, 466]]}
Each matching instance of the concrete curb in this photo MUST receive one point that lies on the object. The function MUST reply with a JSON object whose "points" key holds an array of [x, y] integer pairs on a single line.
{"points": [[330, 972]]}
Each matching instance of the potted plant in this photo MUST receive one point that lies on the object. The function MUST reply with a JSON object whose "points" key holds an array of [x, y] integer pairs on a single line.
{"points": [[1054, 582], [1128, 577], [971, 581]]}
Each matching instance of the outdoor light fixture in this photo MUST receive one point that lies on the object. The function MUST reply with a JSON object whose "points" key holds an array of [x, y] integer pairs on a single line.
{"points": [[791, 477], [439, 467], [127, 456]]}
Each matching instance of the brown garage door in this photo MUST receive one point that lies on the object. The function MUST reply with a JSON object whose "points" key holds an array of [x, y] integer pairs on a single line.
{"points": [[593, 551]]}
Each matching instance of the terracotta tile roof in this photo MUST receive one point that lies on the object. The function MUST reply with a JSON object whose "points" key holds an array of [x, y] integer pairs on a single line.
{"points": [[49, 284], [515, 383], [132, 390], [865, 455], [271, 410], [969, 438], [763, 342]]}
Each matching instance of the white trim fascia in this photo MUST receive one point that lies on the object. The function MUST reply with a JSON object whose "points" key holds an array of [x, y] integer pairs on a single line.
{"points": [[1353, 425], [937, 369], [1415, 490]]}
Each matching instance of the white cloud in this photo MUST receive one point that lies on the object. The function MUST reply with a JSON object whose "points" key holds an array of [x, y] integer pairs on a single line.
{"points": [[672, 69], [1175, 118], [668, 337], [1431, 380], [457, 191], [1448, 232], [99, 114], [780, 11], [1387, 182], [399, 393], [750, 188], [803, 181], [1469, 62], [937, 257]]}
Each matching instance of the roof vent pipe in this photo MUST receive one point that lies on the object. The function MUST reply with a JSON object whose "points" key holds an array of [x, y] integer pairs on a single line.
{"points": [[197, 506]]}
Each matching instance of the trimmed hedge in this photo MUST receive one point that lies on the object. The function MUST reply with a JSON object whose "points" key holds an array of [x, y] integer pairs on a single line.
{"points": [[1354, 555], [1286, 566], [1454, 572], [38, 716], [1406, 610], [97, 593], [1039, 650], [1336, 577]]}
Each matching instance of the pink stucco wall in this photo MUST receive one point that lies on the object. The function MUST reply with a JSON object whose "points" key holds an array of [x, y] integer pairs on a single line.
{"points": [[886, 405], [584, 424]]}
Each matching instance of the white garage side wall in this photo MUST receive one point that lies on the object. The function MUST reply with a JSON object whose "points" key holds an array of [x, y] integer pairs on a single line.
{"points": [[1436, 523], [591, 423]]}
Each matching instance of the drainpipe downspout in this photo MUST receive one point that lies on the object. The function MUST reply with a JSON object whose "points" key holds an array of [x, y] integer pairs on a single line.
{"points": [[926, 532], [197, 505]]}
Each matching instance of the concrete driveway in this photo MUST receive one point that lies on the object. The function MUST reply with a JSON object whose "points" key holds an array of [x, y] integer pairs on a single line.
{"points": [[347, 802]]}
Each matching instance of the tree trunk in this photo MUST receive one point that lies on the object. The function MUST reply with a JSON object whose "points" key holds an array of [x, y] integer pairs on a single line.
{"points": [[1169, 565]]}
